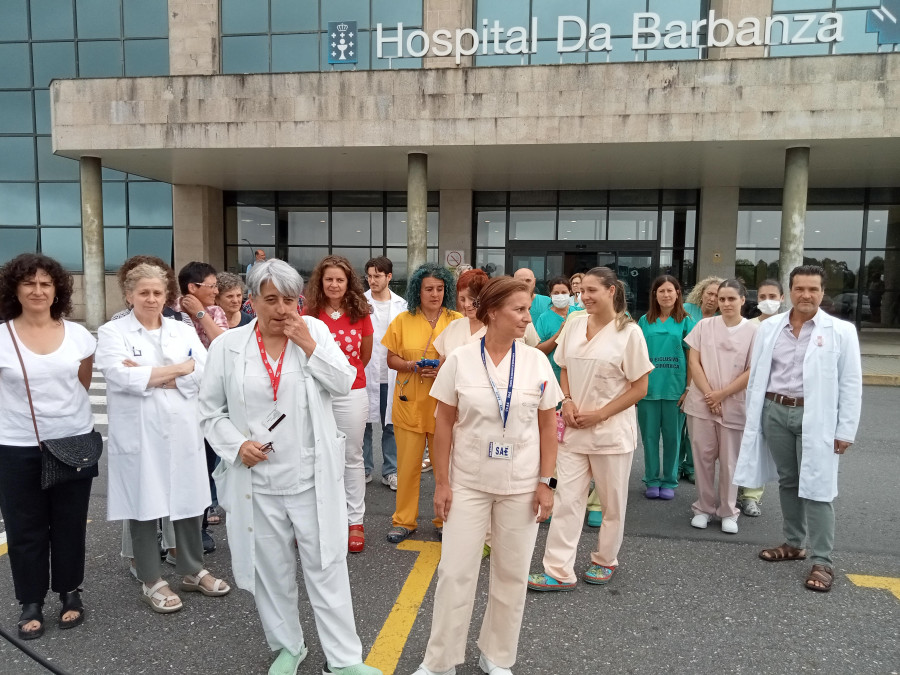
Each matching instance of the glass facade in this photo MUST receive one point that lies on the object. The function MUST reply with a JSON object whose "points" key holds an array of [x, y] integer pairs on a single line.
{"points": [[867, 27], [854, 234], [304, 227], [45, 39], [278, 36]]}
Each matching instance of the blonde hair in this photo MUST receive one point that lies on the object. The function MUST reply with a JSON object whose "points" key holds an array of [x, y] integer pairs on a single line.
{"points": [[141, 272], [609, 279], [697, 292]]}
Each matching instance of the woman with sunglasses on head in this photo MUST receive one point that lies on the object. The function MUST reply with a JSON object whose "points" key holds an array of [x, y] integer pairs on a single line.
{"points": [[412, 354], [604, 373], [336, 297], [721, 347]]}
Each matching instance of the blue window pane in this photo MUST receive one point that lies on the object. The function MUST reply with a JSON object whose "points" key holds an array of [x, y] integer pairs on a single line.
{"points": [[60, 204], [856, 39], [361, 48], [63, 245], [115, 249], [52, 20], [151, 242], [16, 158], [797, 50], [98, 18], [146, 57], [547, 53], [54, 167], [100, 59], [113, 204], [247, 16], [13, 20], [619, 14], [42, 110], [150, 204], [672, 54], [245, 54], [677, 10], [112, 174], [500, 60], [290, 15], [292, 53], [16, 70], [15, 112], [146, 18], [346, 10], [547, 12], [853, 4], [800, 5], [392, 12], [507, 12], [52, 59], [14, 241], [19, 207], [621, 51]]}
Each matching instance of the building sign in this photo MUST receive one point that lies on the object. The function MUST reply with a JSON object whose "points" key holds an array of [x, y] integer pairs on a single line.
{"points": [[342, 45], [885, 20], [648, 31]]}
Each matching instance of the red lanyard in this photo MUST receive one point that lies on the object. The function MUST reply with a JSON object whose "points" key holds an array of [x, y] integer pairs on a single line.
{"points": [[275, 377]]}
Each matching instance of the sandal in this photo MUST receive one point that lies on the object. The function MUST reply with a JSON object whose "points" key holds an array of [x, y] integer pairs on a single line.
{"points": [[157, 600], [71, 602], [783, 552], [31, 611], [820, 578], [213, 517], [357, 540], [191, 583], [397, 534]]}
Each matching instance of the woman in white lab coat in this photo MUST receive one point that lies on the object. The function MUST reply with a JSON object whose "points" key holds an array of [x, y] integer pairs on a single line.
{"points": [[605, 372], [493, 455], [157, 464]]}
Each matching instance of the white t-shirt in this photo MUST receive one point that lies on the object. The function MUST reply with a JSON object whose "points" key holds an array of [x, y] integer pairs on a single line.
{"points": [[381, 319], [62, 406]]}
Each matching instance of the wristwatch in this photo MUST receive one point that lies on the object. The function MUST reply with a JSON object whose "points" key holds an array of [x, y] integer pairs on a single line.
{"points": [[549, 481], [200, 314]]}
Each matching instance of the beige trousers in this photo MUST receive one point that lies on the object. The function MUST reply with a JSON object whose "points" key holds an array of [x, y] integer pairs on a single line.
{"points": [[713, 442], [513, 533], [610, 474]]}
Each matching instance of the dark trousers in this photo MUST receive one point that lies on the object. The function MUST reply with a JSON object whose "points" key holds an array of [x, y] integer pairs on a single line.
{"points": [[45, 529]]}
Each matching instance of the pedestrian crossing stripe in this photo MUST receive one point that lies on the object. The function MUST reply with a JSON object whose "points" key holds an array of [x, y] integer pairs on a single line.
{"points": [[891, 584]]}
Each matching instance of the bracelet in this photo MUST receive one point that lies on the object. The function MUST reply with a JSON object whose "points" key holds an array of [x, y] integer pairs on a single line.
{"points": [[567, 399]]}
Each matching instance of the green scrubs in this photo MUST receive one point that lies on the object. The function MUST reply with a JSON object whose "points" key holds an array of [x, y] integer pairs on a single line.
{"points": [[539, 305], [658, 413], [546, 326]]}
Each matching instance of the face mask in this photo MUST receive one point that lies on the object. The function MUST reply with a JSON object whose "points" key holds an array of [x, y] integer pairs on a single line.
{"points": [[769, 306], [560, 300]]}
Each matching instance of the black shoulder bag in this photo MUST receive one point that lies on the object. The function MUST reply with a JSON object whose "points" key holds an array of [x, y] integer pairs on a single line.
{"points": [[63, 459]]}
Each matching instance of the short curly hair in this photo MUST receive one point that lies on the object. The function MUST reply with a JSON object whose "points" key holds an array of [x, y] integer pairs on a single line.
{"points": [[414, 289], [24, 267]]}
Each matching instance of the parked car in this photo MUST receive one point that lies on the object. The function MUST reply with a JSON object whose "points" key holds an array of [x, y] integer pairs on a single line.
{"points": [[845, 306]]}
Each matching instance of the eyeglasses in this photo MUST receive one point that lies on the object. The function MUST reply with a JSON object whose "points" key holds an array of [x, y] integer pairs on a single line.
{"points": [[208, 285], [267, 448]]}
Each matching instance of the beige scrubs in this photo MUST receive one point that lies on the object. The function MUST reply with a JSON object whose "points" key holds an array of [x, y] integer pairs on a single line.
{"points": [[599, 370], [459, 333], [489, 491]]}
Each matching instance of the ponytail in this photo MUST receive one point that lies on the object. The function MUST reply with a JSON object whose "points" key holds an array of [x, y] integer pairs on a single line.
{"points": [[608, 278]]}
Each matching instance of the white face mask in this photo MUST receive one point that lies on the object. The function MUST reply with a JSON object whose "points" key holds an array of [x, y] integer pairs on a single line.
{"points": [[769, 306], [560, 300]]}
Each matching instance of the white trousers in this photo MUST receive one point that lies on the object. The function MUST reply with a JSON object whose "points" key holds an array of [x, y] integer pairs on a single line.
{"points": [[350, 414], [513, 533], [277, 521]]}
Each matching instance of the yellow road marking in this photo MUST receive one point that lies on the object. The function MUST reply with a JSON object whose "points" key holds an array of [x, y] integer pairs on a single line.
{"points": [[891, 584], [3, 546], [385, 653]]}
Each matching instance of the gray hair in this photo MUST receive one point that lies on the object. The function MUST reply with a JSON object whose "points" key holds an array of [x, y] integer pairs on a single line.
{"points": [[144, 271], [226, 281], [285, 278]]}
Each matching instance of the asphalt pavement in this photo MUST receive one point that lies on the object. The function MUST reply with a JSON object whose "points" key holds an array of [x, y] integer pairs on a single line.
{"points": [[683, 600]]}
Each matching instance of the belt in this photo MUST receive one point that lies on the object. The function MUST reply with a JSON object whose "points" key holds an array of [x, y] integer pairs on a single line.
{"points": [[781, 399]]}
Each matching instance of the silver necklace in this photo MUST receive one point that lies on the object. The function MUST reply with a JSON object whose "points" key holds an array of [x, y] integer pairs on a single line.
{"points": [[336, 314]]}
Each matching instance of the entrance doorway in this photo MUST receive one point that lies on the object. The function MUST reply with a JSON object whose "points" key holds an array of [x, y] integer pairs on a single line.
{"points": [[636, 268]]}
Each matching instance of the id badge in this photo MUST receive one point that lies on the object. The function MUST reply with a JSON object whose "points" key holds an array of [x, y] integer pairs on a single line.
{"points": [[500, 450], [274, 418]]}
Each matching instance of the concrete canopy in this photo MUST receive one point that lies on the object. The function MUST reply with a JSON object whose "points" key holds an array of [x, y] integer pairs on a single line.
{"points": [[633, 125]]}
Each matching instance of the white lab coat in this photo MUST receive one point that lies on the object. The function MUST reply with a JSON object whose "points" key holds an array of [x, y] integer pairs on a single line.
{"points": [[832, 390], [379, 351], [223, 418], [157, 462]]}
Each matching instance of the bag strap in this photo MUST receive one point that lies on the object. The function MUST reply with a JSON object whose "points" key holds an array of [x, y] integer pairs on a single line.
{"points": [[24, 375]]}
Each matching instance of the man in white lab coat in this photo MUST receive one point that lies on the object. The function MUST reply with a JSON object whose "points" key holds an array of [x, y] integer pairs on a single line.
{"points": [[803, 406]]}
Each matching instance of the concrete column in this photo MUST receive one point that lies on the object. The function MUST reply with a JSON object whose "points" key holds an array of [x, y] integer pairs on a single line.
{"points": [[793, 213], [718, 232], [194, 37], [198, 225], [455, 233], [736, 10], [92, 242], [416, 210], [451, 15]]}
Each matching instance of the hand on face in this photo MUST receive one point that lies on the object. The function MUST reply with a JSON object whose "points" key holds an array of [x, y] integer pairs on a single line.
{"points": [[191, 305], [295, 328]]}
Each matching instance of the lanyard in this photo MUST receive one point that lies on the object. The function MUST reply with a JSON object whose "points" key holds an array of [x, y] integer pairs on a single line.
{"points": [[504, 410], [274, 378]]}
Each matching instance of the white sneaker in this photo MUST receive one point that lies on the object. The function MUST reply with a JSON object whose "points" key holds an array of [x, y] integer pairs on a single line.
{"points": [[424, 671], [490, 668], [700, 521], [729, 525], [390, 480], [368, 478]]}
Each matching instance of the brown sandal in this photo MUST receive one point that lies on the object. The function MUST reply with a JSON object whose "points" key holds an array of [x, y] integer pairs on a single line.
{"points": [[783, 552], [820, 578]]}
